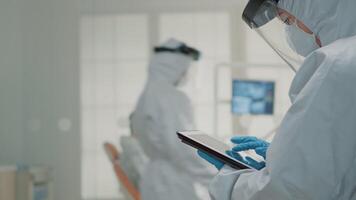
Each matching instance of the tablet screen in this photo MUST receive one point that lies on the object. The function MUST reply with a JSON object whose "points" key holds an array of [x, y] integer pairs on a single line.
{"points": [[211, 146], [211, 142]]}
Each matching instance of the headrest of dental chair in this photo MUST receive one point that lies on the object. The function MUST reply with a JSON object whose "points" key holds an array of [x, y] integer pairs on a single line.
{"points": [[111, 151]]}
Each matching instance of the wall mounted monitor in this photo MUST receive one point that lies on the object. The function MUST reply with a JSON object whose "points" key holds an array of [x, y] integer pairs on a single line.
{"points": [[253, 97]]}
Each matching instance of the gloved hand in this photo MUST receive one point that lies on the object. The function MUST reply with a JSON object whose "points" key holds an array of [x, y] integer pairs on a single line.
{"points": [[247, 160], [217, 163], [250, 143]]}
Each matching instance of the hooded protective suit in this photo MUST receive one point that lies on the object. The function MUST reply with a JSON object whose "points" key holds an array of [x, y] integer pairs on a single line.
{"points": [[174, 168], [313, 155]]}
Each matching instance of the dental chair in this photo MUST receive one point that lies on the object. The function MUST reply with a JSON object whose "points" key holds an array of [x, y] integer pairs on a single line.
{"points": [[114, 156]]}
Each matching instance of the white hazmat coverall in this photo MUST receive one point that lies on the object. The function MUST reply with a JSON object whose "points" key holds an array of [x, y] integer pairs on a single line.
{"points": [[174, 167], [313, 155], [132, 159]]}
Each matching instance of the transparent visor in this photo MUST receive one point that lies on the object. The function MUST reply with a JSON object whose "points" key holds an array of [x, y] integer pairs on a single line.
{"points": [[274, 33], [271, 23]]}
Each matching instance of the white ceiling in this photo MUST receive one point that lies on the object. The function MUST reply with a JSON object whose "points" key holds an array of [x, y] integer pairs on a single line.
{"points": [[134, 6]]}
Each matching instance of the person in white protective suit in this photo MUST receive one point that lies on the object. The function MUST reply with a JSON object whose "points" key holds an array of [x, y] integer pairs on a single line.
{"points": [[313, 155], [132, 159], [173, 170]]}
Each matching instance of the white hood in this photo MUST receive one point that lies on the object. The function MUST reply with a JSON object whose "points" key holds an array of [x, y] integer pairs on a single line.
{"points": [[168, 67], [331, 20]]}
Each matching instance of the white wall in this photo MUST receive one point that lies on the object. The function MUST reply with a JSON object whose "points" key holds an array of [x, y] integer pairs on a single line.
{"points": [[51, 90], [139, 6], [10, 83], [39, 85]]}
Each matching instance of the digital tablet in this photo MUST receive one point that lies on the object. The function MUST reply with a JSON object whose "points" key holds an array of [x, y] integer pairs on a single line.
{"points": [[211, 146]]}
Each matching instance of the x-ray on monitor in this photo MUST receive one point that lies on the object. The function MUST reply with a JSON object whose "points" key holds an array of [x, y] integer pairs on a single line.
{"points": [[253, 97]]}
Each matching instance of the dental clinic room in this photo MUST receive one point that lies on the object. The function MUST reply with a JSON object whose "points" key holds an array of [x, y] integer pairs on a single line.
{"points": [[177, 100]]}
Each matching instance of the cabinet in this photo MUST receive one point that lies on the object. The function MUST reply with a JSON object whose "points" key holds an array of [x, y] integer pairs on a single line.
{"points": [[29, 183]]}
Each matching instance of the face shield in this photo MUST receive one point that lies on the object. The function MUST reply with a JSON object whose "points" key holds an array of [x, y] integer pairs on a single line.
{"points": [[271, 23]]}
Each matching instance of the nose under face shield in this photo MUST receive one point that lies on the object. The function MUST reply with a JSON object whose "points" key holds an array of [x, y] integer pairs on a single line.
{"points": [[264, 17]]}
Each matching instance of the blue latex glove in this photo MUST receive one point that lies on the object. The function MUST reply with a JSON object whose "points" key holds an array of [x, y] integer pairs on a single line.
{"points": [[245, 143], [247, 160], [217, 163]]}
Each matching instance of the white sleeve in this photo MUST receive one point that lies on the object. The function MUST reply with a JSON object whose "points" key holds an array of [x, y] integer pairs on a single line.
{"points": [[239, 184], [223, 184]]}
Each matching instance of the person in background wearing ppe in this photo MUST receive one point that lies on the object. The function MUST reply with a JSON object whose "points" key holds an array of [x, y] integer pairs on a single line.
{"points": [[173, 169], [313, 154], [132, 159]]}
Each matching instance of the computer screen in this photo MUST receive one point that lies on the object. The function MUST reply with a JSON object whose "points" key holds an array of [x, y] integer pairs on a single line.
{"points": [[253, 97]]}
